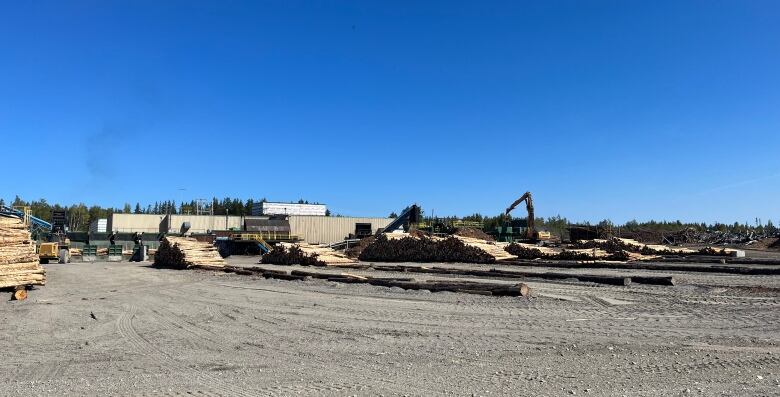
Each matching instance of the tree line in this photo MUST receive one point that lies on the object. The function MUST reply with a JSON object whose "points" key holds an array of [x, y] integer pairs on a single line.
{"points": [[558, 224], [81, 215]]}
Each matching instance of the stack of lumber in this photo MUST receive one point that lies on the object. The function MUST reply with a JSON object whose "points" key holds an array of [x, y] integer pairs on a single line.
{"points": [[496, 250], [185, 252], [19, 264], [654, 248], [323, 253]]}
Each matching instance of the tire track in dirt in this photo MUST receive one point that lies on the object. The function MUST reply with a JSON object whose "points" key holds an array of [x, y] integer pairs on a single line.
{"points": [[126, 329]]}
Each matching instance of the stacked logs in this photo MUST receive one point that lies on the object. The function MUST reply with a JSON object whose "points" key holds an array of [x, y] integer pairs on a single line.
{"points": [[622, 247], [423, 249], [523, 252], [185, 252], [19, 264], [293, 255]]}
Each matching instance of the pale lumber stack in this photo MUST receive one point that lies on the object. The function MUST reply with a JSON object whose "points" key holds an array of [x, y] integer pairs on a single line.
{"points": [[656, 247], [491, 247], [19, 264], [185, 252], [323, 253]]}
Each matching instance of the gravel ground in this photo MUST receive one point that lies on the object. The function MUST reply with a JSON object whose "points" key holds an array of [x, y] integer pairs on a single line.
{"points": [[168, 332]]}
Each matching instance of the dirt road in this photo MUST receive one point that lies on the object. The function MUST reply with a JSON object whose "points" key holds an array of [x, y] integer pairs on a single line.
{"points": [[168, 332]]}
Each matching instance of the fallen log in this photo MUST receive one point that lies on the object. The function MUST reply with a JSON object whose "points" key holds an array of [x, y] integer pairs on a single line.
{"points": [[409, 283], [353, 276], [654, 280], [737, 269], [610, 280], [309, 274], [283, 276]]}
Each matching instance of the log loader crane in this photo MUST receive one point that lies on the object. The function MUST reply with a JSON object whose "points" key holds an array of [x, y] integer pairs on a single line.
{"points": [[531, 232]]}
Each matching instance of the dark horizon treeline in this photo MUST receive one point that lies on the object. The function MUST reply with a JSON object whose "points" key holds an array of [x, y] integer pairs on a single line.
{"points": [[557, 224], [80, 216]]}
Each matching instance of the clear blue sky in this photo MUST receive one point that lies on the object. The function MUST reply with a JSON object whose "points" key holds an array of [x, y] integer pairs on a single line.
{"points": [[603, 109]]}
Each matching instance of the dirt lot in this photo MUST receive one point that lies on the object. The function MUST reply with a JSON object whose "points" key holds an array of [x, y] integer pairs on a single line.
{"points": [[168, 332]]}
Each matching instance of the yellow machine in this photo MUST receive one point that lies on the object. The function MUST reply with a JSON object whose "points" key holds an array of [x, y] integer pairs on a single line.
{"points": [[58, 251]]}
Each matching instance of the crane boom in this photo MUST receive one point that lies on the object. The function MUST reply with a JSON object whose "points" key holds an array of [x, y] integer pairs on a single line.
{"points": [[529, 204]]}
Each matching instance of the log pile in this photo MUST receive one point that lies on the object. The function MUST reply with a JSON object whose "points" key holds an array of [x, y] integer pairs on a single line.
{"points": [[524, 251], [391, 248], [638, 251], [527, 251], [185, 252], [322, 252], [290, 255], [355, 250], [19, 264]]}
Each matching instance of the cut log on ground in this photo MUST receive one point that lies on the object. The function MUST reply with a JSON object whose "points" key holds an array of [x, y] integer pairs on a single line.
{"points": [[20, 294], [185, 252]]}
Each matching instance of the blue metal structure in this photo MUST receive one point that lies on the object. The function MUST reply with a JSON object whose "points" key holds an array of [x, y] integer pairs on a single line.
{"points": [[35, 222]]}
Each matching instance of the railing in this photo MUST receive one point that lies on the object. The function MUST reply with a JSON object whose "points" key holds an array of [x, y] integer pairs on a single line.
{"points": [[265, 236], [471, 224], [257, 238]]}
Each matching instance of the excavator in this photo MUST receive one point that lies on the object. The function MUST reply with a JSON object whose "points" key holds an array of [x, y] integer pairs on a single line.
{"points": [[531, 232]]}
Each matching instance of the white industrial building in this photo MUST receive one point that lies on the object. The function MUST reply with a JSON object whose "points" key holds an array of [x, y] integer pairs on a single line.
{"points": [[268, 208], [98, 225]]}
